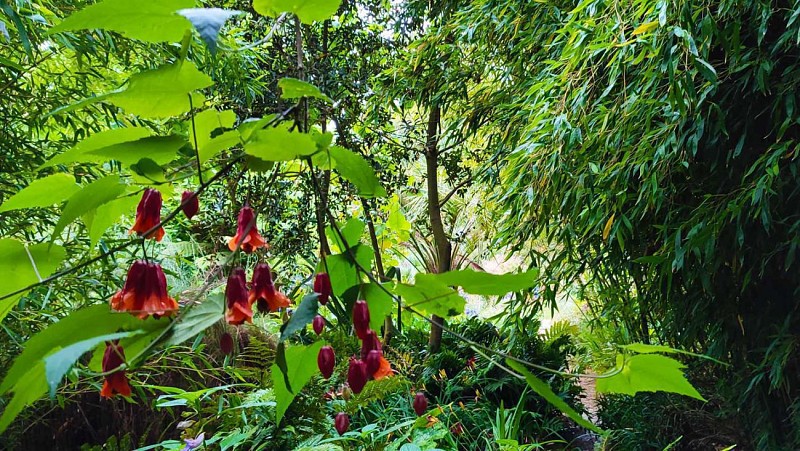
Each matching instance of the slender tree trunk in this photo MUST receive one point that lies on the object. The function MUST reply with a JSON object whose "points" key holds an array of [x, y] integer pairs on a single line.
{"points": [[388, 327], [441, 242]]}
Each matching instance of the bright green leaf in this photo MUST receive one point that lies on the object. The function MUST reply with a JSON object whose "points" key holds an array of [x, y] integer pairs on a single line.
{"points": [[18, 271], [351, 231], [99, 220], [344, 272], [379, 301], [650, 373], [97, 141], [544, 390], [486, 284], [308, 11], [206, 122], [87, 199], [301, 364], [292, 88], [358, 171], [199, 318], [643, 348], [146, 20], [42, 193], [160, 149], [429, 296], [279, 144], [303, 314], [161, 92]]}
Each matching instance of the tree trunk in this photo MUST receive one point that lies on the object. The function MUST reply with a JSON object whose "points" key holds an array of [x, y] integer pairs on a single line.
{"points": [[388, 327], [441, 242]]}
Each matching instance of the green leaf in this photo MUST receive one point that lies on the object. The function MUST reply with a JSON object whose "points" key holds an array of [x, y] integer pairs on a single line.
{"points": [[18, 271], [643, 348], [26, 377], [486, 284], [42, 193], [58, 363], [706, 70], [352, 231], [431, 297], [87, 199], [303, 314], [308, 11], [343, 271], [279, 144], [292, 88], [150, 20], [162, 92], [301, 364], [358, 171], [208, 22], [544, 390], [160, 149], [99, 220], [648, 372], [379, 301], [149, 170], [199, 318], [206, 122], [97, 141]]}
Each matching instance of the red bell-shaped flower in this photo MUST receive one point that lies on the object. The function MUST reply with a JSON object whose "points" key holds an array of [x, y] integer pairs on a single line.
{"points": [[373, 361], [226, 343], [190, 204], [247, 237], [318, 323], [357, 375], [326, 360], [237, 299], [116, 382], [369, 342], [342, 422], [322, 286], [148, 215], [263, 291], [420, 404], [145, 292], [361, 318]]}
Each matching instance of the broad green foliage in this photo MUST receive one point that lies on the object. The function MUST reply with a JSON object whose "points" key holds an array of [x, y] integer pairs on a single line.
{"points": [[345, 268], [301, 362], [358, 171], [24, 265], [203, 314], [99, 220], [648, 372], [429, 296], [487, 284], [308, 11], [380, 302], [146, 20], [279, 144], [42, 193], [87, 199], [102, 141], [302, 316], [292, 88], [162, 92], [206, 123]]}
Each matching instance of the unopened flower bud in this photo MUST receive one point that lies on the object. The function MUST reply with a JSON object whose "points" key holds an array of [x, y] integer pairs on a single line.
{"points": [[322, 286], [373, 361], [318, 324], [357, 375], [342, 422], [190, 204], [420, 404], [326, 360], [361, 318]]}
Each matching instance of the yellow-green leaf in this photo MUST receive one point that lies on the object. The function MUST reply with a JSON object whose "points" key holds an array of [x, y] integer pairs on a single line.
{"points": [[42, 193]]}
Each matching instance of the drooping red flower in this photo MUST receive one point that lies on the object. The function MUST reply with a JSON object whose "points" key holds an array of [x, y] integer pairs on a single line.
{"points": [[361, 318], [247, 237], [342, 422], [116, 382], [369, 342], [226, 344], [373, 361], [237, 299], [148, 215], [326, 361], [190, 204], [263, 291], [420, 404], [318, 323], [322, 286], [144, 292], [357, 375]]}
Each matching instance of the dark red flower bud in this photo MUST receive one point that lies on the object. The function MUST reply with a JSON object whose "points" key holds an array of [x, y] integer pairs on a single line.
{"points": [[322, 286], [190, 204], [144, 292], [319, 324], [457, 429], [357, 375], [373, 361], [420, 404], [263, 291], [148, 215], [226, 343], [342, 422], [326, 360], [237, 299], [361, 318], [116, 382], [247, 237], [369, 342]]}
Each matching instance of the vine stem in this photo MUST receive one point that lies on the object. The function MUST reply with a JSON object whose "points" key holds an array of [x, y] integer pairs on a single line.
{"points": [[196, 148]]}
